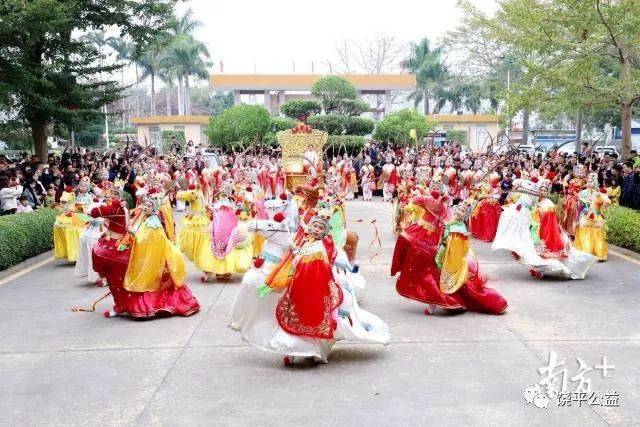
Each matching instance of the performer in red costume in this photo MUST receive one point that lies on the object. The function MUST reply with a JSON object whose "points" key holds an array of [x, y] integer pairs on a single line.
{"points": [[454, 281], [484, 220], [307, 305], [111, 254], [143, 269]]}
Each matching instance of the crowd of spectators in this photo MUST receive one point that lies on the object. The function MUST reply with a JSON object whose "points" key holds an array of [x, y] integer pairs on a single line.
{"points": [[28, 183]]}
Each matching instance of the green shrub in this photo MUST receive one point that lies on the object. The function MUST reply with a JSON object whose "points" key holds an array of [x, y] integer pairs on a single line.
{"points": [[623, 225], [359, 126], [245, 123], [166, 139], [300, 108], [339, 144], [25, 235], [352, 107], [396, 127], [278, 124], [458, 136], [337, 124], [332, 90], [333, 124]]}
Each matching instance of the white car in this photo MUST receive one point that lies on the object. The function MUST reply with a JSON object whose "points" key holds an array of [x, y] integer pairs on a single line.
{"points": [[606, 149]]}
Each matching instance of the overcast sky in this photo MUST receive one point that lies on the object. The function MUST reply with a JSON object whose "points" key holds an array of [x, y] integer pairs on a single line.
{"points": [[269, 35]]}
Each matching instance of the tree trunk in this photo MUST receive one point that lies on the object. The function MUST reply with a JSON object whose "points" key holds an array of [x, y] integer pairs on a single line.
{"points": [[153, 94], [180, 104], [425, 96], [579, 131], [39, 135], [187, 96], [124, 117], [525, 126], [137, 99], [627, 110], [167, 91]]}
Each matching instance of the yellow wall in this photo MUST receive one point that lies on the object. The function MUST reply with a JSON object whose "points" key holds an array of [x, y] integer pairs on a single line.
{"points": [[192, 131], [305, 81], [478, 134]]}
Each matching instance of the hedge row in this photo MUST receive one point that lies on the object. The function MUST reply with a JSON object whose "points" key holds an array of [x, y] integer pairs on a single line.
{"points": [[25, 235], [335, 124], [623, 227], [623, 224]]}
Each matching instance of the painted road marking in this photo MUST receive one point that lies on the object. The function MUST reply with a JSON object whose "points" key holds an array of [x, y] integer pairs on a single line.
{"points": [[623, 256], [21, 273]]}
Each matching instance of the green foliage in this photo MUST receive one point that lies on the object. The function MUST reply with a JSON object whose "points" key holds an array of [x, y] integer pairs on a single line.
{"points": [[427, 64], [622, 227], [332, 90], [48, 74], [241, 123], [572, 55], [351, 144], [459, 136], [352, 107], [359, 126], [25, 235], [335, 124], [300, 108], [167, 135], [220, 101], [281, 123], [16, 136], [397, 126]]}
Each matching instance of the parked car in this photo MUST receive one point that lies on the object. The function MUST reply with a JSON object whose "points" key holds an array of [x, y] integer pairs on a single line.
{"points": [[212, 158], [606, 149]]}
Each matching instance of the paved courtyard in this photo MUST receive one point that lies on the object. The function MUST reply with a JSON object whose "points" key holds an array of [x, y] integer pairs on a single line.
{"points": [[58, 367]]}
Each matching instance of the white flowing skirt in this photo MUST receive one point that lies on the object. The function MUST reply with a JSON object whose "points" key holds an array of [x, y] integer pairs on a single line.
{"points": [[84, 263], [255, 319], [514, 234]]}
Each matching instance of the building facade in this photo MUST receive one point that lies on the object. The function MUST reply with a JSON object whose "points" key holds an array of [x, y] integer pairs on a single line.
{"points": [[150, 128], [276, 89], [481, 129]]}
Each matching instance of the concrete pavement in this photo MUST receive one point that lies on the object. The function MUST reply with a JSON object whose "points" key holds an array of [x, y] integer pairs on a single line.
{"points": [[58, 367]]}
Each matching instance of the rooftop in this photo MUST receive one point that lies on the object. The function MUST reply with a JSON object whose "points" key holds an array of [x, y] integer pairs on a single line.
{"points": [[400, 82], [177, 120], [465, 118]]}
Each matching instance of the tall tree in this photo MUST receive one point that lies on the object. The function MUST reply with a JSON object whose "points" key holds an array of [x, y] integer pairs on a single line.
{"points": [[47, 74], [581, 54], [182, 27], [125, 53], [428, 66], [149, 63], [187, 57]]}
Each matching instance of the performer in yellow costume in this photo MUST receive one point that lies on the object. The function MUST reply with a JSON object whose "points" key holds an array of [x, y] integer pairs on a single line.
{"points": [[70, 223], [229, 246], [194, 234], [590, 232]]}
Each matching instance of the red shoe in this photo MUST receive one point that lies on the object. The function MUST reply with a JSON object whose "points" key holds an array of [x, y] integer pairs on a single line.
{"points": [[203, 279], [101, 283], [107, 314], [288, 360], [431, 308], [536, 274]]}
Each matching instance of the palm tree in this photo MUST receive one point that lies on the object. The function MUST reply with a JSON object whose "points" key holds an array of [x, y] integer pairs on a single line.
{"points": [[186, 57], [182, 29], [184, 24], [125, 52], [98, 39], [427, 65], [149, 62]]}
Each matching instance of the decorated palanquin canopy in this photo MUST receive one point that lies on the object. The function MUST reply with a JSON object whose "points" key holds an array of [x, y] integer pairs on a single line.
{"points": [[293, 145]]}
